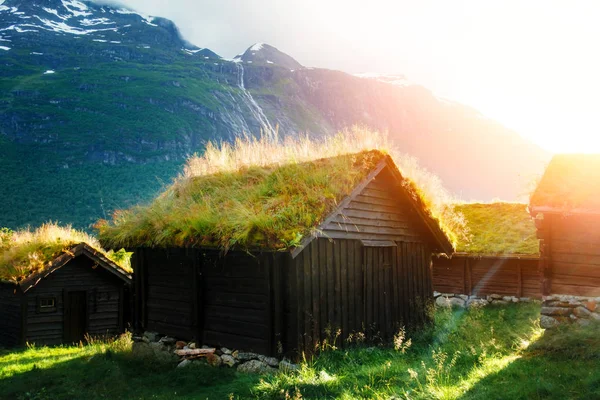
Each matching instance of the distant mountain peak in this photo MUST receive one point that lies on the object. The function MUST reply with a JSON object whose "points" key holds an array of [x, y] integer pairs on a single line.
{"points": [[263, 53], [28, 23]]}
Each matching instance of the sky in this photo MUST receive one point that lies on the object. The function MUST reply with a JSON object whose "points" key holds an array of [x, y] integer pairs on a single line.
{"points": [[534, 66]]}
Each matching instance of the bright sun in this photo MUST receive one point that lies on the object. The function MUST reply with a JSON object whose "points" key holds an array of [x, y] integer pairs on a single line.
{"points": [[532, 66]]}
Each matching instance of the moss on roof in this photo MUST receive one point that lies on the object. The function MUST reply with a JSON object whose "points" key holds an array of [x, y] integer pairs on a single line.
{"points": [[498, 229], [270, 207], [571, 183], [25, 252]]}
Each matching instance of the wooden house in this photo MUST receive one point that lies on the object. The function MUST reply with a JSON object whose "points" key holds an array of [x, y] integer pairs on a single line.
{"points": [[362, 264], [80, 292], [566, 208], [499, 255]]}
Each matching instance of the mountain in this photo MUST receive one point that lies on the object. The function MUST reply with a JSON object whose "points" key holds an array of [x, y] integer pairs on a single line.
{"points": [[262, 53], [100, 106]]}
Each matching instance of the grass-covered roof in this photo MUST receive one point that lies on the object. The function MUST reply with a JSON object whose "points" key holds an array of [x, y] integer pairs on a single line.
{"points": [[571, 183], [497, 229], [26, 252], [258, 193]]}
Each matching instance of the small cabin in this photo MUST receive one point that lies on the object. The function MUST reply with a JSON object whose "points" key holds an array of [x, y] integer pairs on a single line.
{"points": [[79, 293], [351, 254], [498, 255], [566, 208]]}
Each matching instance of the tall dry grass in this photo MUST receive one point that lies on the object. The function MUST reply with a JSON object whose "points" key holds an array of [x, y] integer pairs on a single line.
{"points": [[251, 151], [27, 251]]}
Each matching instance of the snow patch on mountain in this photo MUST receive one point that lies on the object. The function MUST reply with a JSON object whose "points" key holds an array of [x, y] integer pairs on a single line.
{"points": [[49, 72], [76, 8], [257, 47], [4, 48]]}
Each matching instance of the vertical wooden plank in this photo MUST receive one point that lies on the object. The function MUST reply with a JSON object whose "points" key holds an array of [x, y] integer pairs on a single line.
{"points": [[299, 272], [381, 292], [368, 279], [308, 319], [323, 311], [403, 283], [316, 313], [265, 265], [330, 286], [411, 281], [277, 303], [519, 279], [469, 268], [344, 289], [337, 284], [464, 278], [24, 298], [352, 295], [395, 289], [388, 298], [359, 286]]}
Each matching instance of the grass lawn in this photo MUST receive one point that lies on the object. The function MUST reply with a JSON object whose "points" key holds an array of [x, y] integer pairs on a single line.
{"points": [[491, 353]]}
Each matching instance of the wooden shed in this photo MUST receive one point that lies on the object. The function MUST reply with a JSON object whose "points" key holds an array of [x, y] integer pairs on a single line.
{"points": [[499, 255], [80, 292], [566, 207], [361, 261]]}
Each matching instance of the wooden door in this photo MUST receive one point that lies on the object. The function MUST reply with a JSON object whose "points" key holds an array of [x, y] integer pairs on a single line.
{"points": [[75, 316]]}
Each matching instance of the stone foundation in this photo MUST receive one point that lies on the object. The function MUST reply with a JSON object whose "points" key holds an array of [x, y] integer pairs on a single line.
{"points": [[560, 309], [163, 348], [464, 301]]}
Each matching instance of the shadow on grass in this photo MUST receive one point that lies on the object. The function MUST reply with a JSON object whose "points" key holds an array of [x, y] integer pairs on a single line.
{"points": [[121, 376], [562, 364]]}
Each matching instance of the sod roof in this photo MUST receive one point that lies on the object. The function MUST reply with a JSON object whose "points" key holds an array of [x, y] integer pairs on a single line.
{"points": [[498, 229], [27, 253], [272, 207], [571, 184]]}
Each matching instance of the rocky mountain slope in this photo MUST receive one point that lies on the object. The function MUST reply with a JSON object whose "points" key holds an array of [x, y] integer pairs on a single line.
{"points": [[100, 105]]}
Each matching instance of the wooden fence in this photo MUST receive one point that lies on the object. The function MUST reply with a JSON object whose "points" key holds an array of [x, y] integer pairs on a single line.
{"points": [[482, 276]]}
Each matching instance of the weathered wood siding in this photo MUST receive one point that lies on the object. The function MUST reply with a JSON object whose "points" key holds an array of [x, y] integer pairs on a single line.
{"points": [[573, 249], [10, 315], [485, 276], [168, 291], [380, 212], [340, 288], [104, 307], [231, 300], [236, 301]]}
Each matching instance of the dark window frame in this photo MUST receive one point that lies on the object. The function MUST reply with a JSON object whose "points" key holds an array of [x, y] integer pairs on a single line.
{"points": [[46, 304]]}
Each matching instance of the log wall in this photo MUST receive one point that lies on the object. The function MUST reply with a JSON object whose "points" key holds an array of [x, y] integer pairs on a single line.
{"points": [[341, 288], [485, 276], [573, 254], [10, 315]]}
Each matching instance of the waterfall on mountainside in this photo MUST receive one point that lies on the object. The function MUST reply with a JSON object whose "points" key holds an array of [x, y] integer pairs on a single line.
{"points": [[255, 109]]}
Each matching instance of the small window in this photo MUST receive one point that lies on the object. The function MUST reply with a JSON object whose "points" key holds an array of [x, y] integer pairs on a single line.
{"points": [[46, 304]]}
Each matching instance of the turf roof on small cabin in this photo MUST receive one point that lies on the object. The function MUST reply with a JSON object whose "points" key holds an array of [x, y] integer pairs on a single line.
{"points": [[27, 255], [498, 229], [276, 207], [571, 184]]}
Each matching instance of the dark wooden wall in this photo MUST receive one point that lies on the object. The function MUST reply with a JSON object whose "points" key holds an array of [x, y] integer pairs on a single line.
{"points": [[165, 283], [237, 300], [485, 276], [10, 315], [232, 300], [104, 304], [340, 288], [380, 212], [571, 254]]}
